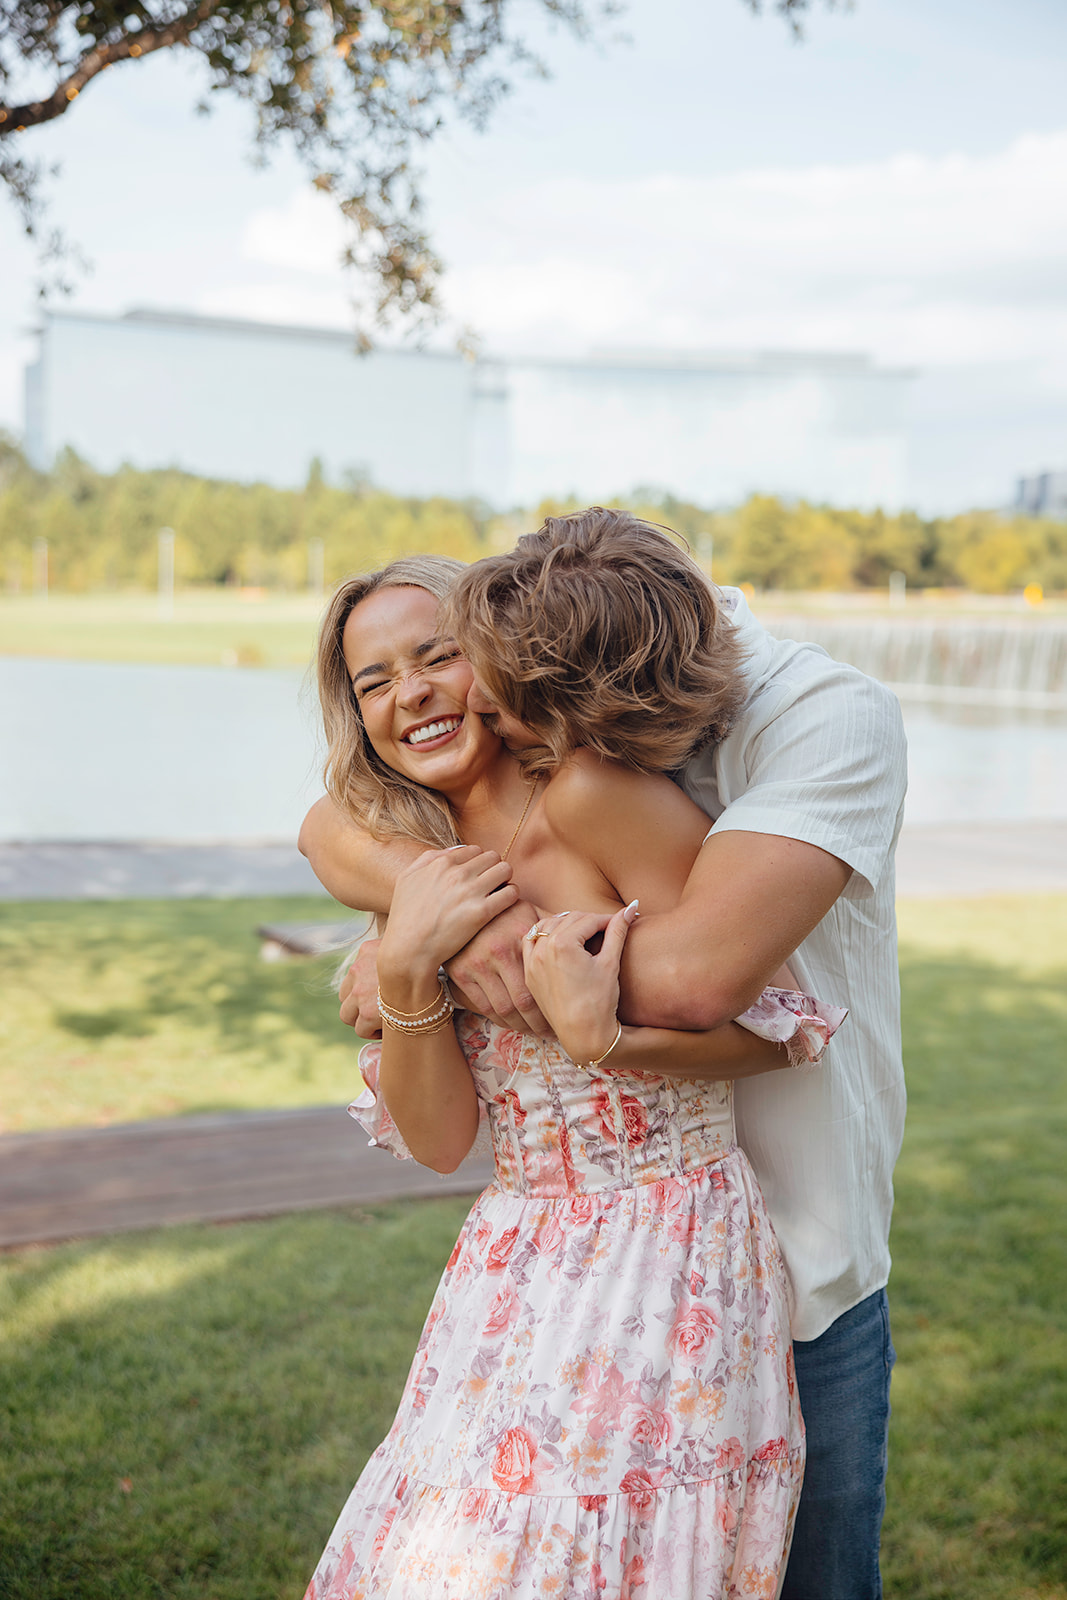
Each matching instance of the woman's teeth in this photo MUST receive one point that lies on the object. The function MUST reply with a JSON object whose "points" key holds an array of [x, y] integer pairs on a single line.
{"points": [[434, 730]]}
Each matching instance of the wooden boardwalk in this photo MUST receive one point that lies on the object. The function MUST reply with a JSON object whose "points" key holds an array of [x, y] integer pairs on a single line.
{"points": [[75, 1182]]}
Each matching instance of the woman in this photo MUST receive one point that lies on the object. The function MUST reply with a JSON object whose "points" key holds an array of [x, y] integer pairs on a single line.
{"points": [[602, 1402]]}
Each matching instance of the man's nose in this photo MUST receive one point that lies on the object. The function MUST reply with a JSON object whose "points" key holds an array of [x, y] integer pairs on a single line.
{"points": [[477, 702]]}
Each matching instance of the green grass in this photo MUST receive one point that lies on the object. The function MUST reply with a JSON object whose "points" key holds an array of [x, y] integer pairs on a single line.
{"points": [[208, 628], [119, 1010], [185, 1411], [978, 1475]]}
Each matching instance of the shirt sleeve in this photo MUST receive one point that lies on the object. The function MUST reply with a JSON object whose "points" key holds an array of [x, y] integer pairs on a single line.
{"points": [[822, 759]]}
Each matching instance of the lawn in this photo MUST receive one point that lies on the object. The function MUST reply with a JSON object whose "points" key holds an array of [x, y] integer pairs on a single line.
{"points": [[119, 1010], [220, 627], [185, 1410], [264, 628]]}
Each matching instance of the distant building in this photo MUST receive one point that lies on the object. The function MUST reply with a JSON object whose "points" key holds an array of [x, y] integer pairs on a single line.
{"points": [[250, 400], [1044, 495]]}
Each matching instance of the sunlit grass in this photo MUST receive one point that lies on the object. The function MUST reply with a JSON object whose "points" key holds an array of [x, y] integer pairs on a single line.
{"points": [[184, 1412], [120, 1010], [209, 627]]}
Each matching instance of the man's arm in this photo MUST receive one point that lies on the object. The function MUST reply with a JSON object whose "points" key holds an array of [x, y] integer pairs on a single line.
{"points": [[361, 871], [357, 869], [750, 899]]}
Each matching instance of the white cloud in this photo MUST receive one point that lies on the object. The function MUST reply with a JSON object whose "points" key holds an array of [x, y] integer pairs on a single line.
{"points": [[916, 259], [305, 235]]}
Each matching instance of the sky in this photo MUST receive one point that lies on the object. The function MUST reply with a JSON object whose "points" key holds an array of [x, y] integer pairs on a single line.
{"points": [[895, 184]]}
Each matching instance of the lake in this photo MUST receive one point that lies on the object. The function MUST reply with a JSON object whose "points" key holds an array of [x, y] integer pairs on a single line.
{"points": [[107, 752]]}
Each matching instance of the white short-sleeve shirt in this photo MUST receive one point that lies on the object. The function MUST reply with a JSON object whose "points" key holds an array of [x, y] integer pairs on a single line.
{"points": [[818, 754]]}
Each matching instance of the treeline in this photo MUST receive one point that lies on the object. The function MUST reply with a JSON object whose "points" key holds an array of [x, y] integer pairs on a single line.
{"points": [[101, 531]]}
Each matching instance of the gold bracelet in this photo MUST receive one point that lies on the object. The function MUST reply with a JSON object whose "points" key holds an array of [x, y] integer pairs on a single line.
{"points": [[589, 1065], [410, 1016]]}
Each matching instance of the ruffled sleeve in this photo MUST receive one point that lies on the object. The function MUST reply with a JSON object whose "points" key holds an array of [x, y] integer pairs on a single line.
{"points": [[800, 1022], [370, 1111], [372, 1114]]}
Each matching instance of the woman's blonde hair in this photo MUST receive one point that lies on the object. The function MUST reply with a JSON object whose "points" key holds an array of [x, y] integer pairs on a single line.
{"points": [[599, 631], [382, 801]]}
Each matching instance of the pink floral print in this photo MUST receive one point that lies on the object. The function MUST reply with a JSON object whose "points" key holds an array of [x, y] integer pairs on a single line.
{"points": [[602, 1405]]}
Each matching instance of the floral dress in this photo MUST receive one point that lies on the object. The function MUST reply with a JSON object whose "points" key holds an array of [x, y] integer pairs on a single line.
{"points": [[602, 1404]]}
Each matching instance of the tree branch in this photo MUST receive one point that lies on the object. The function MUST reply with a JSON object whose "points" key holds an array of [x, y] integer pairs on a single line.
{"points": [[16, 119]]}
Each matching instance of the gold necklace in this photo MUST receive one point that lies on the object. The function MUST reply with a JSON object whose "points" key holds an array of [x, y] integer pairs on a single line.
{"points": [[520, 822]]}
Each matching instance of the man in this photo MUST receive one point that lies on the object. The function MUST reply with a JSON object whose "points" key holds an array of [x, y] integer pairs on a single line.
{"points": [[805, 787]]}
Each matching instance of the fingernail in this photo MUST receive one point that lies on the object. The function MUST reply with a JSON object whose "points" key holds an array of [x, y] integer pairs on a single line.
{"points": [[631, 911]]}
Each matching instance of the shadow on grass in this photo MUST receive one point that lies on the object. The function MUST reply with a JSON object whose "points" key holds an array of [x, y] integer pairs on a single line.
{"points": [[978, 1484], [121, 1010], [191, 964]]}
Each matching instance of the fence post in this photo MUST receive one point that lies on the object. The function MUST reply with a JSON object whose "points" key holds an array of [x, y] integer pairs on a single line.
{"points": [[898, 589], [40, 568], [316, 567], [166, 574]]}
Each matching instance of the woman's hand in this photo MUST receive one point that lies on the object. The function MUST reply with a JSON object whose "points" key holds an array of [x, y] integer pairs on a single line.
{"points": [[440, 902], [577, 991]]}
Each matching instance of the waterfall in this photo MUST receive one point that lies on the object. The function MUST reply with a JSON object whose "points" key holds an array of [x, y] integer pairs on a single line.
{"points": [[1017, 664]]}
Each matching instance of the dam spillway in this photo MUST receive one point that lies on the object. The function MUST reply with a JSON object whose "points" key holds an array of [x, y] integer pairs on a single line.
{"points": [[1016, 664]]}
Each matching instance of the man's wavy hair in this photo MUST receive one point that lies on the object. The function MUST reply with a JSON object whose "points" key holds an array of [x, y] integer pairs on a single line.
{"points": [[382, 801], [599, 631]]}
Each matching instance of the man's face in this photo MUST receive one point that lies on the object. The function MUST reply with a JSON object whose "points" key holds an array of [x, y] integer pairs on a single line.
{"points": [[515, 734]]}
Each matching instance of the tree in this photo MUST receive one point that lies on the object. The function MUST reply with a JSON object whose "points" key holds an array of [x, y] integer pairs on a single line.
{"points": [[353, 85]]}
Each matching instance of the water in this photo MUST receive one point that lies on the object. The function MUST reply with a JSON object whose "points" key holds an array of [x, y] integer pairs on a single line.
{"points": [[94, 751]]}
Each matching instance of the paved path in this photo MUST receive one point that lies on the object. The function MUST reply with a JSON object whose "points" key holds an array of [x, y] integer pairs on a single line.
{"points": [[63, 871], [948, 859], [82, 1181], [972, 858]]}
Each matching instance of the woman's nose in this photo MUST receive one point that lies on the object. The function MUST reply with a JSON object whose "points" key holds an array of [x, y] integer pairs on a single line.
{"points": [[414, 689]]}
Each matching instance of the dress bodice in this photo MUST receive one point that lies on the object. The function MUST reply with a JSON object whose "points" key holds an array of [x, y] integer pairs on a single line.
{"points": [[561, 1129]]}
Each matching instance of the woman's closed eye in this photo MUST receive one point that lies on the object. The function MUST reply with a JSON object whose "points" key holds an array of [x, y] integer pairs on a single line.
{"points": [[363, 689], [372, 686]]}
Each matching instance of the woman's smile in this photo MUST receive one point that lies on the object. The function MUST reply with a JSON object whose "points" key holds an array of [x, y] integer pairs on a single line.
{"points": [[435, 733]]}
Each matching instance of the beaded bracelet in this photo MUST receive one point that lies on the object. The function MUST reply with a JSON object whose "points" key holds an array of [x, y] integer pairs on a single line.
{"points": [[418, 1022]]}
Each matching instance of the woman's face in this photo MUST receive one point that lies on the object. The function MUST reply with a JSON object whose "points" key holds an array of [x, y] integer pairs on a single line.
{"points": [[412, 685]]}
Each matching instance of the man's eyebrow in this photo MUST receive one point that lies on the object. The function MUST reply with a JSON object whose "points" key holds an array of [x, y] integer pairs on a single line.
{"points": [[419, 651]]}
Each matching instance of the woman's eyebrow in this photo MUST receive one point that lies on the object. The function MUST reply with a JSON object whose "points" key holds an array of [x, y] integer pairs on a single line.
{"points": [[366, 672], [419, 651]]}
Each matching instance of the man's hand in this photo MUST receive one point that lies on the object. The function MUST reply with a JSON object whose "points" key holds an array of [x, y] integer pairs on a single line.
{"points": [[487, 975], [359, 992]]}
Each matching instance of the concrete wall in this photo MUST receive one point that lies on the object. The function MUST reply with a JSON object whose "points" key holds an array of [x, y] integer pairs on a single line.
{"points": [[252, 401]]}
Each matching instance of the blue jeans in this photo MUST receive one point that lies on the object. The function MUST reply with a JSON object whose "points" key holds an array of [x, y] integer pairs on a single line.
{"points": [[843, 1379]]}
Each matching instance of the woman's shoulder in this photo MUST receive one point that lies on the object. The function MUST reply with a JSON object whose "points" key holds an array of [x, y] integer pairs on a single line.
{"points": [[589, 789]]}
